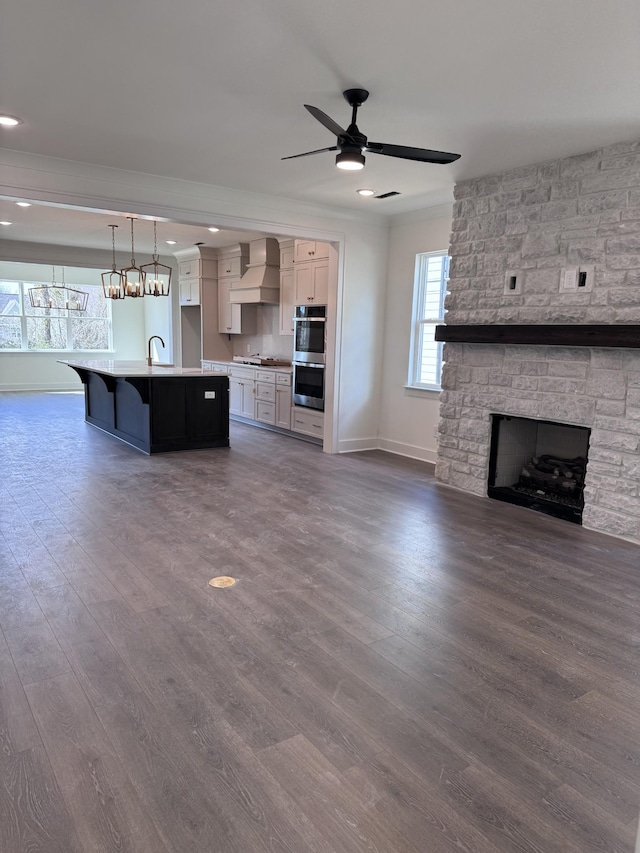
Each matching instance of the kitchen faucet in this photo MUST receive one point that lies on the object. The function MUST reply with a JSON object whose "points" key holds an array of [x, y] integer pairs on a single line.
{"points": [[149, 359]]}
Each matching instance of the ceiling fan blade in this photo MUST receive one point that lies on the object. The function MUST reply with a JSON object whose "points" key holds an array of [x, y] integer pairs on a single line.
{"points": [[424, 155], [307, 153], [327, 121]]}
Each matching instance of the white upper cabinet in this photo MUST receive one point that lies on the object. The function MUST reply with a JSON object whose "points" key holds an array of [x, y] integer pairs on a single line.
{"points": [[309, 250], [189, 291], [233, 318], [287, 301], [311, 283], [286, 255]]}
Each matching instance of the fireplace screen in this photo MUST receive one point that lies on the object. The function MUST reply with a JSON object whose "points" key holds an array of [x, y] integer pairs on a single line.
{"points": [[539, 464]]}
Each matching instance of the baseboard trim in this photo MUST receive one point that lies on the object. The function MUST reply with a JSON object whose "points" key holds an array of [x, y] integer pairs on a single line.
{"points": [[410, 450], [355, 445], [59, 386]]}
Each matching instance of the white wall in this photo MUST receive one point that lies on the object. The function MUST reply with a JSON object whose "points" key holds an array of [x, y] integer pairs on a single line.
{"points": [[30, 371], [408, 418], [358, 349]]}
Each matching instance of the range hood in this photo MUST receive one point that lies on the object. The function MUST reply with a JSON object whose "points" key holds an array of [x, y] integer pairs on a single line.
{"points": [[261, 281]]}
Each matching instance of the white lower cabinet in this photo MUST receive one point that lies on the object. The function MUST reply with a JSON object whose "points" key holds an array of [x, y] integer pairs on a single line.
{"points": [[283, 400], [307, 421], [283, 407], [242, 392], [266, 412], [242, 399], [265, 396]]}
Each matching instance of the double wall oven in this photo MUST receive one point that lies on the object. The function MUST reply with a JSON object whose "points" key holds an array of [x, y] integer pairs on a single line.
{"points": [[309, 352]]}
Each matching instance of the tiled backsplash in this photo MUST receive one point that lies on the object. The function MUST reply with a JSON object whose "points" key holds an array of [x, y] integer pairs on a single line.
{"points": [[266, 341]]}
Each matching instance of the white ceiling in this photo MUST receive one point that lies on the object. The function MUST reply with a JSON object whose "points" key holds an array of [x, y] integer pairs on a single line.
{"points": [[214, 92]]}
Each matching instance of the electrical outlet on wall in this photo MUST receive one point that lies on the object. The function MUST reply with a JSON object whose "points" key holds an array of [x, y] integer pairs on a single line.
{"points": [[586, 276], [569, 280], [513, 282]]}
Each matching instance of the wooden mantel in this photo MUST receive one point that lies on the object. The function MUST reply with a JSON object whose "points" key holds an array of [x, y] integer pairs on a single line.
{"points": [[605, 335]]}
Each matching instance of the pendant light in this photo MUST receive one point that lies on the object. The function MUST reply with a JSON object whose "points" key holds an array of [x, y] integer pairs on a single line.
{"points": [[134, 277], [58, 297], [74, 300], [113, 281], [157, 275]]}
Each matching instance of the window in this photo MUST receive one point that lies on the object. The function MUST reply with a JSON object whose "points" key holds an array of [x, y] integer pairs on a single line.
{"points": [[432, 272], [23, 327]]}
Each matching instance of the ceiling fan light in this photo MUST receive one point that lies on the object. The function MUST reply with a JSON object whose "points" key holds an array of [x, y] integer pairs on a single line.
{"points": [[366, 192], [350, 160]]}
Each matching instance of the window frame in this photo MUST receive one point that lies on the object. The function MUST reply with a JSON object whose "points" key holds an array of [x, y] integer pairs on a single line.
{"points": [[418, 322], [69, 316]]}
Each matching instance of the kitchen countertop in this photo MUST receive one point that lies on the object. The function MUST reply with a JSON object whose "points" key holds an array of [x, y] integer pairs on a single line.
{"points": [[281, 368], [135, 368]]}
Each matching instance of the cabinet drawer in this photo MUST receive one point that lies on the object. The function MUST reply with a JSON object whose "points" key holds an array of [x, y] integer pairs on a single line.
{"points": [[265, 412], [229, 267], [266, 392], [265, 376], [283, 379], [242, 372], [308, 422]]}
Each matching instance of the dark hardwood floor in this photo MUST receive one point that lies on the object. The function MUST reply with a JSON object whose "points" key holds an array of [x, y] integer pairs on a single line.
{"points": [[400, 668]]}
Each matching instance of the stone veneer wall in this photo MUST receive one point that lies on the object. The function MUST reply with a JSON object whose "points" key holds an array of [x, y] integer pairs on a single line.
{"points": [[579, 211]]}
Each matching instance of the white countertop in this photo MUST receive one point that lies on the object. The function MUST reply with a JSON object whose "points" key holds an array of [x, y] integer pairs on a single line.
{"points": [[136, 368], [281, 368]]}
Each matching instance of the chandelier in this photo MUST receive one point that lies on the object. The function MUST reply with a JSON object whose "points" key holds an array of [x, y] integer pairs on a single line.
{"points": [[113, 281], [134, 277], [60, 297], [157, 275]]}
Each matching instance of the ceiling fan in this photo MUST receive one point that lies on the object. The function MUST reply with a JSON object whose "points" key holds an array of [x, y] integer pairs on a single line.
{"points": [[353, 145]]}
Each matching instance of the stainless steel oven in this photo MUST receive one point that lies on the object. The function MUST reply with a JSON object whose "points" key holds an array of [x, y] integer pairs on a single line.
{"points": [[310, 335], [308, 385]]}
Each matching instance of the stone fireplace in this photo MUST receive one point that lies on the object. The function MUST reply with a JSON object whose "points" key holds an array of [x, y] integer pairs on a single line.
{"points": [[548, 245]]}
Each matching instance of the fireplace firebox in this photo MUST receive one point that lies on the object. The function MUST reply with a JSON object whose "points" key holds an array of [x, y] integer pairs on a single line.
{"points": [[539, 464]]}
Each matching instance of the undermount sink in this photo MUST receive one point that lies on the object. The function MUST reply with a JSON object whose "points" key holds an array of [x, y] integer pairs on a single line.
{"points": [[162, 364]]}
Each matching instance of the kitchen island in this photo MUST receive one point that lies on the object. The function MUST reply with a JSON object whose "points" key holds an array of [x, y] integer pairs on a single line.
{"points": [[157, 408]]}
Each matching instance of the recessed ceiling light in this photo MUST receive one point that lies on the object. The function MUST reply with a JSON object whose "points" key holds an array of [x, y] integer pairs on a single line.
{"points": [[213, 228], [10, 121], [23, 204], [366, 192], [6, 223], [171, 242]]}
